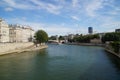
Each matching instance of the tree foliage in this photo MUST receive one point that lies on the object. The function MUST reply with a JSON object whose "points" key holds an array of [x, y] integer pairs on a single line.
{"points": [[111, 37], [41, 36], [116, 46], [61, 38], [52, 38], [84, 38]]}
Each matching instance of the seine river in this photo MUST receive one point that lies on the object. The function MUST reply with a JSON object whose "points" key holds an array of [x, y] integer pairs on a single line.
{"points": [[61, 62]]}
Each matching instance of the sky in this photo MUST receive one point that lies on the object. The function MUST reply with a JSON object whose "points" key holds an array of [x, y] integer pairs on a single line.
{"points": [[62, 17]]}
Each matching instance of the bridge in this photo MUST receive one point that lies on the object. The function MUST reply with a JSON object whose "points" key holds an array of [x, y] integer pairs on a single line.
{"points": [[56, 41]]}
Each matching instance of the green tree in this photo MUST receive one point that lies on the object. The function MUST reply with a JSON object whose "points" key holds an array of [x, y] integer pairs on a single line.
{"points": [[52, 38], [61, 38], [96, 36], [111, 37], [116, 46], [41, 36]]}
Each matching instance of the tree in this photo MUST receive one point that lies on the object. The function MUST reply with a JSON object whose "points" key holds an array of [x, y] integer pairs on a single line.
{"points": [[95, 36], [52, 38], [116, 46], [61, 38], [41, 36], [111, 37]]}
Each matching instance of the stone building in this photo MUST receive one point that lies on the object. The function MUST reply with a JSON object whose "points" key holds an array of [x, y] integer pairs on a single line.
{"points": [[19, 33], [4, 31], [15, 33], [27, 34], [71, 36]]}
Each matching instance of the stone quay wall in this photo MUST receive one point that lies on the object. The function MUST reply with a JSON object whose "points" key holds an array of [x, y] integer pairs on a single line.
{"points": [[8, 47]]}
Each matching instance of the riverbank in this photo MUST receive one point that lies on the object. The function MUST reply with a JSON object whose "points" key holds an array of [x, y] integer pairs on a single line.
{"points": [[9, 48], [110, 49], [112, 52], [86, 44]]}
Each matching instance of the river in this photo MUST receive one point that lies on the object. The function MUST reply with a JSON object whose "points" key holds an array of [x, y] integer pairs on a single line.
{"points": [[61, 62]]}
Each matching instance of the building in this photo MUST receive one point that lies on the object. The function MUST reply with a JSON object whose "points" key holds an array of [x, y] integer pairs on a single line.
{"points": [[117, 30], [19, 33], [96, 41], [90, 30], [4, 31], [27, 34], [15, 33], [71, 36]]}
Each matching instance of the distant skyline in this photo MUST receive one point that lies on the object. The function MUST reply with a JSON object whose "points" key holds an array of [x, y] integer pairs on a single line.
{"points": [[63, 16]]}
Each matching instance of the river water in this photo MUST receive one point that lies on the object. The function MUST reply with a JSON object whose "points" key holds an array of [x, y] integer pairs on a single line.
{"points": [[61, 62]]}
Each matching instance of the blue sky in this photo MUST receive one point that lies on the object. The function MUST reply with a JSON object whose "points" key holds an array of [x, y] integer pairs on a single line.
{"points": [[63, 16]]}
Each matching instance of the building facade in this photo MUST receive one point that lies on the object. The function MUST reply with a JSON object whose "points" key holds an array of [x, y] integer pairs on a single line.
{"points": [[4, 31], [90, 30], [71, 36], [117, 30], [27, 34], [15, 33], [19, 33]]}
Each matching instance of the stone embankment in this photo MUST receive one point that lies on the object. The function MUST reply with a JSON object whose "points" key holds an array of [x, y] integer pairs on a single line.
{"points": [[112, 52], [109, 49], [6, 48], [86, 44]]}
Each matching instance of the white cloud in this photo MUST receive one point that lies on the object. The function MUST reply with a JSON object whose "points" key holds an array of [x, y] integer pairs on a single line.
{"points": [[10, 2], [93, 6], [61, 6], [107, 24], [113, 12], [112, 24], [55, 9], [36, 5], [74, 3], [75, 18], [18, 4], [8, 9]]}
